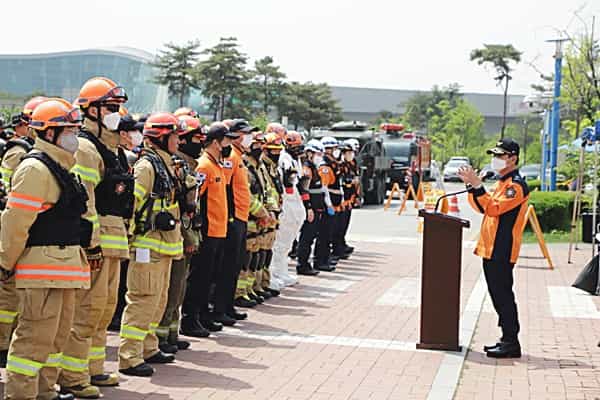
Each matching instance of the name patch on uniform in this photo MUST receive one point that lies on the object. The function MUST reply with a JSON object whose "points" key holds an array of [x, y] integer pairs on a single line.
{"points": [[227, 164], [511, 193], [218, 179], [325, 170], [200, 177]]}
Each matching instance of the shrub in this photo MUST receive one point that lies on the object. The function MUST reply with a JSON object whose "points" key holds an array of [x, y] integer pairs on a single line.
{"points": [[555, 209]]}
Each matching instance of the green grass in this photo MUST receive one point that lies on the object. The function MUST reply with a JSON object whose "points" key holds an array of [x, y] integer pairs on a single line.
{"points": [[549, 237]]}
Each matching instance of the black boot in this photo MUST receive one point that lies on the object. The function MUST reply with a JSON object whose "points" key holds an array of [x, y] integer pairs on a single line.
{"points": [[167, 347], [273, 292], [239, 316], [505, 350], [306, 270], [224, 319], [190, 326], [212, 326], [160, 358], [139, 370], [265, 295], [245, 302]]}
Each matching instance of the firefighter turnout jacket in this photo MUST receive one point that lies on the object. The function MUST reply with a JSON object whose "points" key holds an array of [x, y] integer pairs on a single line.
{"points": [[14, 150], [503, 212], [42, 228], [213, 196]]}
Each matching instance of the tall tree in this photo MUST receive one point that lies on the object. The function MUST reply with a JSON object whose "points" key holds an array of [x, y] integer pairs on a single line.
{"points": [[175, 65], [268, 81], [309, 105], [223, 76], [420, 108], [499, 56]]}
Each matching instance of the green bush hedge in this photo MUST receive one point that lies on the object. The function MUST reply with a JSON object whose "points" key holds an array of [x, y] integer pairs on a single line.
{"points": [[535, 184], [555, 209]]}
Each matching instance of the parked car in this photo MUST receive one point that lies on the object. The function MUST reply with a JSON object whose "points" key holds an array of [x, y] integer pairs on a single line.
{"points": [[451, 169], [460, 158], [531, 172], [486, 169]]}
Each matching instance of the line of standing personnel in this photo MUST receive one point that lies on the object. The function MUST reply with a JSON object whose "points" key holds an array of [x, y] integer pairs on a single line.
{"points": [[195, 220]]}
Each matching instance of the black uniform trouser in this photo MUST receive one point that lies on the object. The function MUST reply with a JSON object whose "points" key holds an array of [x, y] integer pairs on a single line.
{"points": [[308, 234], [499, 278], [233, 258], [346, 216], [203, 266], [323, 247], [339, 232]]}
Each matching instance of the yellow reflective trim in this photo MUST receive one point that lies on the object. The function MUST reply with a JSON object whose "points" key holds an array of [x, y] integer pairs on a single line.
{"points": [[74, 364], [94, 220], [159, 207], [171, 249], [7, 317], [114, 242], [23, 366], [139, 191], [97, 353], [86, 174], [131, 332], [53, 360]]}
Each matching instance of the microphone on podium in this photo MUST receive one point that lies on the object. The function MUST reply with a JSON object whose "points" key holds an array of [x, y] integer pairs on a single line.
{"points": [[487, 175]]}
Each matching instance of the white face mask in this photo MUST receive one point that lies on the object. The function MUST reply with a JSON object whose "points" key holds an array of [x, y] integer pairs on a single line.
{"points": [[111, 121], [68, 142], [247, 141], [336, 154], [349, 156], [136, 138], [317, 160], [498, 164]]}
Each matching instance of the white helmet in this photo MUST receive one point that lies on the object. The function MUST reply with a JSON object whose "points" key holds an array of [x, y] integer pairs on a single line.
{"points": [[353, 143], [315, 146], [329, 142]]}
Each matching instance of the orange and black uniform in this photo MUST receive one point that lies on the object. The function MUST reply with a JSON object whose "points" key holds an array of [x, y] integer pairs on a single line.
{"points": [[238, 194], [499, 243], [214, 216], [349, 173], [331, 177]]}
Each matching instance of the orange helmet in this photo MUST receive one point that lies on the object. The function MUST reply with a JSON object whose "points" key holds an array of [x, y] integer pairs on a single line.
{"points": [[273, 142], [100, 90], [32, 104], [161, 124], [277, 128], [258, 137], [293, 138], [55, 112], [185, 111], [189, 124]]}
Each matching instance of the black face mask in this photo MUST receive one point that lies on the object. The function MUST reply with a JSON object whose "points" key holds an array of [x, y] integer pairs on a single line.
{"points": [[274, 157], [255, 153], [192, 149], [226, 151]]}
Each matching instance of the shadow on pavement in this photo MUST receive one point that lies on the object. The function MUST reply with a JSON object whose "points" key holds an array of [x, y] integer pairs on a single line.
{"points": [[533, 362], [217, 359], [290, 302], [247, 343], [187, 377]]}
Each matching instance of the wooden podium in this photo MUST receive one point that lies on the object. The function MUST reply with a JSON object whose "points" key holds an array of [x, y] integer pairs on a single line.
{"points": [[440, 281]]}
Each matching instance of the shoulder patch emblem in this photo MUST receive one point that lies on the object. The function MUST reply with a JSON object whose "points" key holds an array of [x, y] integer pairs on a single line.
{"points": [[511, 193], [227, 164], [200, 177], [325, 170]]}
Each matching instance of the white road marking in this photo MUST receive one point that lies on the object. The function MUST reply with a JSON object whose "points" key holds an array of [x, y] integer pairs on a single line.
{"points": [[569, 302], [295, 338], [446, 380], [331, 288], [406, 292]]}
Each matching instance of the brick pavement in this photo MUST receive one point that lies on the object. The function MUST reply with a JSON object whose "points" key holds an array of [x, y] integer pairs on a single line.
{"points": [[330, 337]]}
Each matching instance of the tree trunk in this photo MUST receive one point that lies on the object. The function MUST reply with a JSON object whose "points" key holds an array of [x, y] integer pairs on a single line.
{"points": [[505, 106]]}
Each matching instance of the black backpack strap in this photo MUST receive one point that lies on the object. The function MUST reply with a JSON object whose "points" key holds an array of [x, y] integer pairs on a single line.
{"points": [[21, 142], [110, 159]]}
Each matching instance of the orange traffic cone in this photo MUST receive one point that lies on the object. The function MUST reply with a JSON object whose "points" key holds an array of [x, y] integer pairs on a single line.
{"points": [[453, 208]]}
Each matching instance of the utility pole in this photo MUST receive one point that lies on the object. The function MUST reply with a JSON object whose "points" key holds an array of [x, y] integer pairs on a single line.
{"points": [[555, 121]]}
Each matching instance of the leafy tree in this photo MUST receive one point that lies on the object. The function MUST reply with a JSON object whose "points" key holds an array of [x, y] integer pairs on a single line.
{"points": [[175, 67], [309, 105], [223, 78], [499, 56], [268, 82], [423, 106]]}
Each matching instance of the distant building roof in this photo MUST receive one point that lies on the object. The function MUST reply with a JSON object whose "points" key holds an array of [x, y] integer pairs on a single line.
{"points": [[370, 100], [130, 52]]}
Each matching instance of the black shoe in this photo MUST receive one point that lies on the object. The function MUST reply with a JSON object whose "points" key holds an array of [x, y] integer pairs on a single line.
{"points": [[264, 295], [325, 267], [193, 328], [333, 260], [212, 326], [139, 370], [306, 270], [245, 302], [293, 255], [182, 344], [238, 316], [224, 319], [161, 358], [349, 250], [273, 292], [255, 297], [3, 357], [64, 396], [488, 348], [505, 350], [169, 348]]}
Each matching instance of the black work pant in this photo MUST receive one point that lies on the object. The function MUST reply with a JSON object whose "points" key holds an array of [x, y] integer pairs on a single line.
{"points": [[342, 220], [323, 247], [233, 258], [116, 320], [346, 216], [308, 234], [203, 267], [499, 278]]}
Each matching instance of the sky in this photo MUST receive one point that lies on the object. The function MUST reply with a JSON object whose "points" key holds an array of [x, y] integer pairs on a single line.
{"points": [[382, 44]]}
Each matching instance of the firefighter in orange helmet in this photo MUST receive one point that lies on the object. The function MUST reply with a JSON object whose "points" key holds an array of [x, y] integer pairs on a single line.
{"points": [[48, 263], [156, 243], [102, 167], [185, 111], [276, 128], [191, 145], [19, 145]]}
